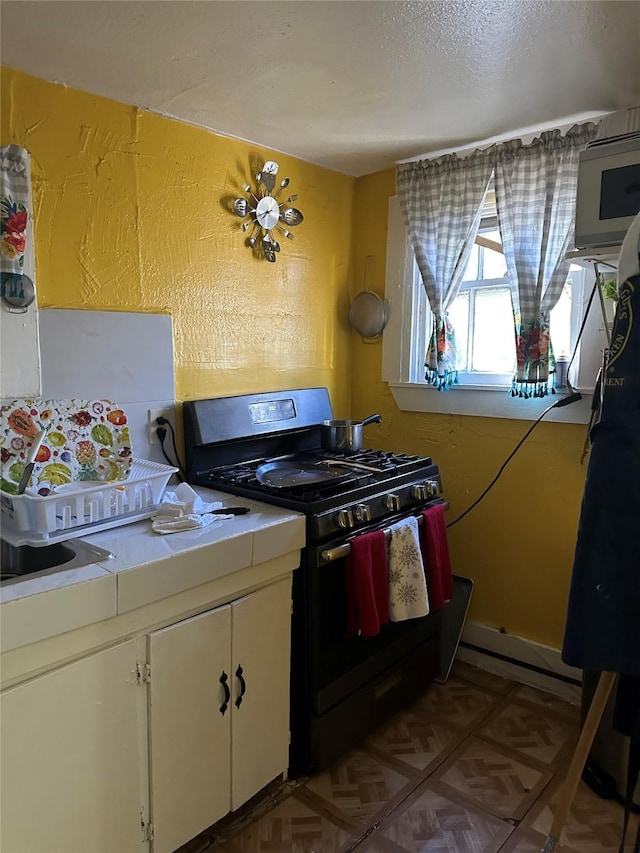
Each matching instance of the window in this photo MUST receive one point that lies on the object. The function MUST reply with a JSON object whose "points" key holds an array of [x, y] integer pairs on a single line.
{"points": [[482, 317], [484, 303]]}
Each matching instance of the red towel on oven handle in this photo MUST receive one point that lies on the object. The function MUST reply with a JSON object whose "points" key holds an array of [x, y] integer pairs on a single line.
{"points": [[435, 555], [367, 584]]}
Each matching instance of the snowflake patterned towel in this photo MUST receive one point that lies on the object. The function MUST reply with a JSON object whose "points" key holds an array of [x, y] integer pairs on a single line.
{"points": [[367, 589], [408, 598], [435, 554]]}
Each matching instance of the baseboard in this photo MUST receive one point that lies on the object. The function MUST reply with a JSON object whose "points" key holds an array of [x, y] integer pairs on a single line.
{"points": [[520, 659]]}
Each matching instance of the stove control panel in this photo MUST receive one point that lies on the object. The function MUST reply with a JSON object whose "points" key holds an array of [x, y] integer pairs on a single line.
{"points": [[376, 507]]}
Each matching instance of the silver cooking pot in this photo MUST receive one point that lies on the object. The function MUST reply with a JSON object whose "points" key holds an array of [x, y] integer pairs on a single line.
{"points": [[344, 436]]}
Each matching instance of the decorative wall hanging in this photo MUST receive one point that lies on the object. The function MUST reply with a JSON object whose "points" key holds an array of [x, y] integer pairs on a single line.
{"points": [[17, 261], [266, 213]]}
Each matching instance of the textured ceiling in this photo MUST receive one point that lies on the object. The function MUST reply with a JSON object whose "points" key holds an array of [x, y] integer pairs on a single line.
{"points": [[353, 86]]}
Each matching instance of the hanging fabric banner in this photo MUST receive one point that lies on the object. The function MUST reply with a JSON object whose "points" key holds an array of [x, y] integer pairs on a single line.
{"points": [[16, 228]]}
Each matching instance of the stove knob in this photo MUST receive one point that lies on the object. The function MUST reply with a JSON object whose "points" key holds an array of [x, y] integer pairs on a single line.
{"points": [[345, 519], [393, 502], [422, 491], [363, 512]]}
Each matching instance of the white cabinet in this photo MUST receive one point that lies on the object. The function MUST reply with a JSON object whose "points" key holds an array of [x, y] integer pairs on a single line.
{"points": [[261, 645], [188, 735], [154, 738], [71, 768], [219, 711]]}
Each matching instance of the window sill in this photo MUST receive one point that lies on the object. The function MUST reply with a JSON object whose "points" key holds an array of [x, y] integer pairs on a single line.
{"points": [[487, 403]]}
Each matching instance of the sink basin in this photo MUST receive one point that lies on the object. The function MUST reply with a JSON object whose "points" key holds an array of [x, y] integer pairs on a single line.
{"points": [[18, 561]]}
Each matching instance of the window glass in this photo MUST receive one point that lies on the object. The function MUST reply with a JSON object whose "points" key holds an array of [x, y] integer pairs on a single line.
{"points": [[493, 335], [471, 272], [560, 322], [494, 263], [459, 316]]}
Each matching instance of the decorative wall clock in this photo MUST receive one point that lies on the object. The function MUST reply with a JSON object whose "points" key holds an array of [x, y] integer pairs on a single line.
{"points": [[266, 213]]}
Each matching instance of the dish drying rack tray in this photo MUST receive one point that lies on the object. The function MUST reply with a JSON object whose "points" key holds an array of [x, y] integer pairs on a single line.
{"points": [[80, 508]]}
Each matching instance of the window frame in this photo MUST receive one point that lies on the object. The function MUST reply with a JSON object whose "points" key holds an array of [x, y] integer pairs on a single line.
{"points": [[408, 307]]}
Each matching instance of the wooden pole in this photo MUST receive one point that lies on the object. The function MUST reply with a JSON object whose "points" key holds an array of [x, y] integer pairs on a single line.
{"points": [[589, 729]]}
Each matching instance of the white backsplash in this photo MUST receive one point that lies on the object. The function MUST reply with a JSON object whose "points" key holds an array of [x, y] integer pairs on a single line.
{"points": [[121, 356]]}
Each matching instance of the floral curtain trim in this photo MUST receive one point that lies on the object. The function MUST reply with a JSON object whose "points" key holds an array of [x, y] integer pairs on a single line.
{"points": [[441, 361], [16, 244], [533, 353]]}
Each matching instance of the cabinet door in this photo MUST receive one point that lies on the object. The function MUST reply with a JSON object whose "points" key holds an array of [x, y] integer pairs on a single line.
{"points": [[261, 646], [70, 763], [189, 735]]}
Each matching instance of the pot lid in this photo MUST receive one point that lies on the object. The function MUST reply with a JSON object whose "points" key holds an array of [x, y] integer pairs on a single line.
{"points": [[368, 314]]}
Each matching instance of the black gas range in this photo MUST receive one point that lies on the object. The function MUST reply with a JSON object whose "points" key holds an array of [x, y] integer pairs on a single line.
{"points": [[232, 441], [267, 447]]}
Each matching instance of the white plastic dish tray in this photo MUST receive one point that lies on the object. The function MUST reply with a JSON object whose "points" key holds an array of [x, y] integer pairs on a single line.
{"points": [[78, 509]]}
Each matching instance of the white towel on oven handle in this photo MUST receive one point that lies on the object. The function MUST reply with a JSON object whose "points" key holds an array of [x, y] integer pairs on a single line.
{"points": [[408, 597]]}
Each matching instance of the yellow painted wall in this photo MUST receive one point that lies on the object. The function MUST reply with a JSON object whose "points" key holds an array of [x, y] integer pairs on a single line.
{"points": [[518, 543], [132, 213]]}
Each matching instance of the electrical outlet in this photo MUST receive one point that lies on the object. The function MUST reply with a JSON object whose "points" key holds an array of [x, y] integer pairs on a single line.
{"points": [[166, 412]]}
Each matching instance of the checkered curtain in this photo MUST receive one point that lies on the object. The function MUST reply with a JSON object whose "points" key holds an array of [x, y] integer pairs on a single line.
{"points": [[441, 201], [535, 199]]}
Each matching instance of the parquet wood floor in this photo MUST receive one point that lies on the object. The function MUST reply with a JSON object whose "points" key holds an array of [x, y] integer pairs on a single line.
{"points": [[473, 766]]}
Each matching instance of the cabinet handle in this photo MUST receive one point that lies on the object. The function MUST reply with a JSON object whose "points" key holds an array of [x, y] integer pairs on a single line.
{"points": [[227, 693], [243, 686]]}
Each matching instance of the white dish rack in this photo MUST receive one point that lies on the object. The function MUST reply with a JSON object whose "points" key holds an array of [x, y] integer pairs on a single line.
{"points": [[80, 508]]}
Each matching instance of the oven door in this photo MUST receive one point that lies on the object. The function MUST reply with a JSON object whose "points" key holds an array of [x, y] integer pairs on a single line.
{"points": [[340, 662], [344, 685]]}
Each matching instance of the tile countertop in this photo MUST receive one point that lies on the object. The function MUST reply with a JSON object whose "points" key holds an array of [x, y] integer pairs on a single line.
{"points": [[146, 567]]}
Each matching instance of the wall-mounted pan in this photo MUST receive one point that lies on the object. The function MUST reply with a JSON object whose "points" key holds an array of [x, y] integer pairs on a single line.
{"points": [[368, 314]]}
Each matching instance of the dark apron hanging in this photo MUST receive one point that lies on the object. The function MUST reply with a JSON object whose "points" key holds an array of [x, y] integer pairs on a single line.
{"points": [[603, 616]]}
